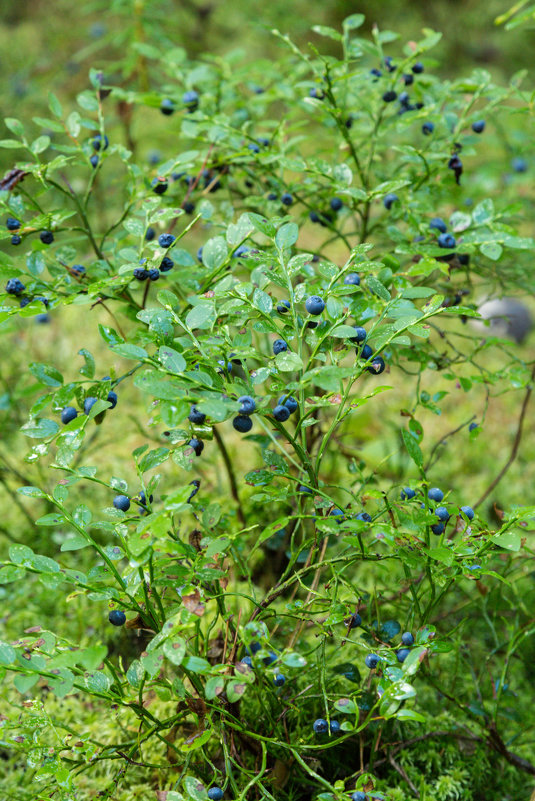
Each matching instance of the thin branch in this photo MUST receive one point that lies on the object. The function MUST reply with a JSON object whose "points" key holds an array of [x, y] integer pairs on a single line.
{"points": [[230, 473]]}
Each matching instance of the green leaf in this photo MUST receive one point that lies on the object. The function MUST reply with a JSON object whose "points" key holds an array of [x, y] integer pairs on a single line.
{"points": [[54, 105], [492, 250], [7, 653], [175, 650], [153, 458], [197, 664], [510, 540], [130, 351], [89, 367], [201, 316], [287, 361], [110, 335], [353, 21], [375, 286], [413, 448], [40, 144], [32, 492], [287, 235], [46, 374], [214, 253], [171, 359], [345, 705], [214, 687], [40, 428]]}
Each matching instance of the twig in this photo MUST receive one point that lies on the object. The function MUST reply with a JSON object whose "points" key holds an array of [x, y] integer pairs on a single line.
{"points": [[230, 473], [516, 443], [404, 775], [442, 440]]}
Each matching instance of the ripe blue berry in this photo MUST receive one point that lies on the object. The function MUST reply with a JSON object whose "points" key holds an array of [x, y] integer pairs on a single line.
{"points": [[320, 726], [279, 680], [355, 620], [402, 654], [408, 79], [283, 306], [478, 126], [46, 237], [197, 445], [446, 241], [352, 279], [240, 252], [439, 224], [372, 660], [472, 426], [305, 490], [279, 346], [97, 142], [88, 404], [272, 196], [166, 264], [117, 618], [314, 304], [16, 239], [360, 335], [15, 286], [159, 185], [142, 498], [376, 73], [287, 199], [468, 512], [389, 200], [290, 403], [317, 93], [519, 164], [437, 529], [122, 502], [407, 638], [112, 398], [253, 147], [407, 493], [140, 274], [247, 661], [191, 100], [150, 233], [281, 413], [167, 106], [364, 516], [442, 513], [94, 161], [358, 796], [12, 224], [196, 417], [417, 68], [435, 494], [166, 240], [215, 793], [242, 423], [335, 727], [154, 274], [68, 413], [377, 366], [248, 404], [428, 128], [365, 353], [336, 203], [390, 96]]}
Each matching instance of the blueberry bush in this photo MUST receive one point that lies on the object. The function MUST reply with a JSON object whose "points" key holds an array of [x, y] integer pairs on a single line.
{"points": [[259, 600]]}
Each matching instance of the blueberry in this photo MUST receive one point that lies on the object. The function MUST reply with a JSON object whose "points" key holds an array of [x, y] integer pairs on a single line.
{"points": [[290, 403], [417, 68], [240, 252], [435, 494], [279, 346], [338, 514], [117, 618], [140, 274], [279, 680], [262, 140], [377, 366], [352, 279], [478, 126], [365, 353], [215, 793], [24, 302], [272, 657], [389, 200], [364, 516], [442, 513], [305, 490], [428, 128], [519, 164], [464, 258], [283, 306], [15, 286], [375, 72], [336, 203], [335, 726], [390, 96], [407, 638], [197, 445], [360, 335], [468, 512], [472, 426], [253, 148], [166, 264], [196, 417], [150, 233], [287, 199], [112, 398], [166, 240], [446, 241], [320, 726], [12, 224], [191, 100], [143, 499], [317, 93], [314, 217], [437, 529], [159, 185], [242, 423], [402, 654], [96, 143], [122, 502], [388, 64], [89, 403], [94, 161], [154, 274], [281, 413], [255, 647], [358, 796], [439, 224], [404, 99], [407, 493], [272, 196], [355, 620], [248, 404], [372, 660], [167, 107], [247, 661], [16, 239], [314, 304], [46, 237], [408, 79], [68, 413]]}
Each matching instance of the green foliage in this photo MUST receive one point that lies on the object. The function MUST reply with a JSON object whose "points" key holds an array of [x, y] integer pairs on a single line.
{"points": [[248, 558]]}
